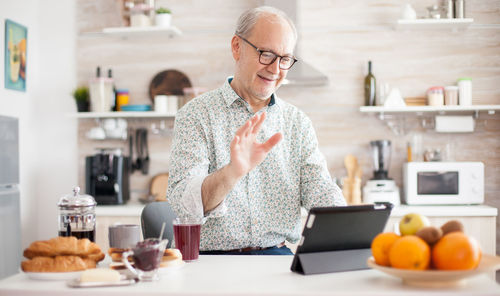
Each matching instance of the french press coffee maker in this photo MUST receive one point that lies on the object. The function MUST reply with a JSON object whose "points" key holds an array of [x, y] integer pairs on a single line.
{"points": [[77, 215]]}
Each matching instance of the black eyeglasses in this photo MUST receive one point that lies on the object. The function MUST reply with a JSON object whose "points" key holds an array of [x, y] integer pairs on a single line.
{"points": [[268, 57]]}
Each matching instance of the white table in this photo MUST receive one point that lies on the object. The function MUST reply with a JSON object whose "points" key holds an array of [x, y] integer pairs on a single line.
{"points": [[252, 275]]}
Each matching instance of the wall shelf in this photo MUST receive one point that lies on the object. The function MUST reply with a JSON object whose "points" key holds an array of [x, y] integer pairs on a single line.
{"points": [[434, 24], [125, 32], [396, 117], [441, 110], [128, 114]]}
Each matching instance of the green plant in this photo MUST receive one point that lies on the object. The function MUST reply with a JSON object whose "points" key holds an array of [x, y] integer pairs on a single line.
{"points": [[81, 94], [163, 10]]}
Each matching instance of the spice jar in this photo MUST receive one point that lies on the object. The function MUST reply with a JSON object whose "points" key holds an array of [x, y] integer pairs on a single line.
{"points": [[435, 96], [451, 95], [77, 215]]}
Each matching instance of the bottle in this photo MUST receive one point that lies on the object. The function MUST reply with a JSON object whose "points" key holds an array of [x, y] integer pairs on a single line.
{"points": [[370, 89], [113, 95]]}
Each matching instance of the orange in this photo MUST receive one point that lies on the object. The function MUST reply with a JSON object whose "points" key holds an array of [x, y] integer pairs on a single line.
{"points": [[456, 251], [381, 245], [410, 252]]}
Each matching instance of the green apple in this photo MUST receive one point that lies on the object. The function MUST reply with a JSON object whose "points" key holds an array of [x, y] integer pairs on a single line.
{"points": [[411, 223]]}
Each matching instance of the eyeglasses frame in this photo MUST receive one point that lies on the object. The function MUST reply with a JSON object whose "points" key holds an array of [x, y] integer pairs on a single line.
{"points": [[260, 51]]}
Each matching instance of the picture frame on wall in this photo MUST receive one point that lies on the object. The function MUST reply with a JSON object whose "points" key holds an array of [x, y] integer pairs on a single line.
{"points": [[15, 55]]}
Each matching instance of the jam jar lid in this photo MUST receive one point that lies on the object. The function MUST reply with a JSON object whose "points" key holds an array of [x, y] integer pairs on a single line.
{"points": [[76, 200]]}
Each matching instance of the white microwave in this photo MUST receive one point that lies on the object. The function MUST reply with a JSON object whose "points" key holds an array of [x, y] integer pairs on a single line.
{"points": [[443, 183]]}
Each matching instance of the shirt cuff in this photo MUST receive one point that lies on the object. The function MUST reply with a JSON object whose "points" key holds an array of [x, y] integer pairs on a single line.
{"points": [[192, 200]]}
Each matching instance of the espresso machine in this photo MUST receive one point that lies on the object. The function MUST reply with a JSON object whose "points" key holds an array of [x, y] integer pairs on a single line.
{"points": [[107, 175], [381, 188]]}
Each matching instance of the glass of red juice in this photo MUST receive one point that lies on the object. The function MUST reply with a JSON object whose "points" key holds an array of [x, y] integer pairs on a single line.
{"points": [[187, 237]]}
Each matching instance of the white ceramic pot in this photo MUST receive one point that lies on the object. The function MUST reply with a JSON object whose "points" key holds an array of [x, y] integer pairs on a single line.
{"points": [[163, 19]]}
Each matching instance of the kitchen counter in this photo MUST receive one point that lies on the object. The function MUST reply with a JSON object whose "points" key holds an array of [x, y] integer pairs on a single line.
{"points": [[252, 275]]}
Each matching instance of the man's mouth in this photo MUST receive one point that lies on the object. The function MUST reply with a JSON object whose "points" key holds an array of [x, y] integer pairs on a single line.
{"points": [[266, 78]]}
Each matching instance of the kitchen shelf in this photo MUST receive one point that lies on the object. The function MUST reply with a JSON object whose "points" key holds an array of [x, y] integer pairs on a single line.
{"points": [[421, 110], [122, 114], [434, 24], [396, 117], [125, 32]]}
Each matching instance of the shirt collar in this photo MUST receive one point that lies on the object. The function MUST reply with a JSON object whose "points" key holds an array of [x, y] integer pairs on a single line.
{"points": [[230, 95]]}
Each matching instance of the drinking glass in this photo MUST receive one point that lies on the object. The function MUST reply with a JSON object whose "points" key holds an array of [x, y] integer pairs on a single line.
{"points": [[187, 237]]}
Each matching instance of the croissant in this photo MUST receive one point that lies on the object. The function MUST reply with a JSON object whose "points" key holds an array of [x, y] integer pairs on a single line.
{"points": [[57, 264], [64, 246]]}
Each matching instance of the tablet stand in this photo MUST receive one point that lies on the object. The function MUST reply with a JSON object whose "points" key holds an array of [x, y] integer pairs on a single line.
{"points": [[331, 261]]}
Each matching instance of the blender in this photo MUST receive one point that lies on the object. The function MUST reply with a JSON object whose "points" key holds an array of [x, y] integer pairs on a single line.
{"points": [[381, 188]]}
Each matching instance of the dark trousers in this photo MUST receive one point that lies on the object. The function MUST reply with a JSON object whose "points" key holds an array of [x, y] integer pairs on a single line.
{"points": [[270, 251]]}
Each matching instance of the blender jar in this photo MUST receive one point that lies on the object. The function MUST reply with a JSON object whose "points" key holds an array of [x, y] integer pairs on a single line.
{"points": [[77, 215]]}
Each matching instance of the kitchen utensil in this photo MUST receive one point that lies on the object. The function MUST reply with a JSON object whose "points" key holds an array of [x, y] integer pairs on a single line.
{"points": [[168, 82], [351, 163], [141, 144], [158, 186], [77, 215]]}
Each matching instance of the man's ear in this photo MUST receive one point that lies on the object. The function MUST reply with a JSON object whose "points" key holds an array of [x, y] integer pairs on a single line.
{"points": [[235, 47]]}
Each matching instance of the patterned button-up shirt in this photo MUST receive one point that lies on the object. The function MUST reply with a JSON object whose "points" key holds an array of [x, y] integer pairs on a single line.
{"points": [[263, 208]]}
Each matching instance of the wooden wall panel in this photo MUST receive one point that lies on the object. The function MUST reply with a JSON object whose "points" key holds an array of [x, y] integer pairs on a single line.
{"points": [[337, 37]]}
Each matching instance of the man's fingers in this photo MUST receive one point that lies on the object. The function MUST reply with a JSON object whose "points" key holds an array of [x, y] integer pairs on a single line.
{"points": [[234, 142], [258, 123], [272, 141], [243, 129]]}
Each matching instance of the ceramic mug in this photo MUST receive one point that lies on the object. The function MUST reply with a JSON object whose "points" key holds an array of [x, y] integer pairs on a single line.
{"points": [[124, 236]]}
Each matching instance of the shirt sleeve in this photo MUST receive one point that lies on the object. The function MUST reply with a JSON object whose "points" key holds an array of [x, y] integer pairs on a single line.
{"points": [[316, 185], [189, 166]]}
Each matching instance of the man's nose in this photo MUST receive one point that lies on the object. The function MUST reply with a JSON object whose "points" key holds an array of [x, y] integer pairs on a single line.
{"points": [[274, 67]]}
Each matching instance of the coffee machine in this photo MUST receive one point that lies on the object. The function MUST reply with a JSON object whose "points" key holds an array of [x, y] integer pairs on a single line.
{"points": [[381, 188], [107, 176]]}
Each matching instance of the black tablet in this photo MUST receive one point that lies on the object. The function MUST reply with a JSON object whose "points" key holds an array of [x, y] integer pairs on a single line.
{"points": [[338, 235]]}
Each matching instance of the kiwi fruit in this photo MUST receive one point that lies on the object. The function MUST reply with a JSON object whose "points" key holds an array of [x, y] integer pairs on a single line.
{"points": [[430, 234], [452, 225]]}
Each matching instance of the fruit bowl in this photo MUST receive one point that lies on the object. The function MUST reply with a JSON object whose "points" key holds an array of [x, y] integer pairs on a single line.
{"points": [[438, 278]]}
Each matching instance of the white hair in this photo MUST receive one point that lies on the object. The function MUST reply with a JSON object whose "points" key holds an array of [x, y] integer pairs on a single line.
{"points": [[248, 19]]}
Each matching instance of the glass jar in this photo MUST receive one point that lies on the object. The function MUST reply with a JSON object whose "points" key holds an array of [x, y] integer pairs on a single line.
{"points": [[451, 95], [435, 96], [77, 215]]}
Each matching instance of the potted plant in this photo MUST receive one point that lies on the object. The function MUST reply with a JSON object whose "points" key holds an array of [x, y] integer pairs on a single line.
{"points": [[163, 17], [82, 98]]}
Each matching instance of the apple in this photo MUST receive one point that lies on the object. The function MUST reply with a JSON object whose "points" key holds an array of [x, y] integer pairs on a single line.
{"points": [[411, 223]]}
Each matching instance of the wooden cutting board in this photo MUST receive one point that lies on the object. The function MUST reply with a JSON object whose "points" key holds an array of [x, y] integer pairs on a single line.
{"points": [[158, 187], [168, 82]]}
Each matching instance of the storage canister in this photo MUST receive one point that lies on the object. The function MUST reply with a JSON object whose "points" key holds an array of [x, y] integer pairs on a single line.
{"points": [[465, 91], [122, 98], [435, 96], [451, 95]]}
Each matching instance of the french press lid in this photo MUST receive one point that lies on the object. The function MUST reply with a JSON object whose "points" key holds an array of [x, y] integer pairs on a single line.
{"points": [[76, 200]]}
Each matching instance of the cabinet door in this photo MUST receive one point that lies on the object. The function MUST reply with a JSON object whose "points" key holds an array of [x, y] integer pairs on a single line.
{"points": [[103, 223]]}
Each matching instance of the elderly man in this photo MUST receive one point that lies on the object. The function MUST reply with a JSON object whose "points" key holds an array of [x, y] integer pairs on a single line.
{"points": [[244, 160]]}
